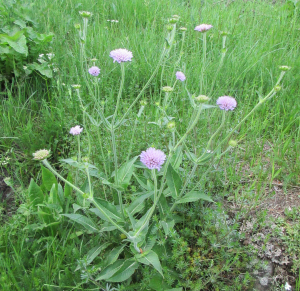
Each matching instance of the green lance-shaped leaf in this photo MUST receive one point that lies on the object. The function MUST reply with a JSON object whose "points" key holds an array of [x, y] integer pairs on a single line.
{"points": [[173, 181], [36, 195], [94, 252], [68, 188], [119, 271], [84, 221], [125, 272], [113, 255], [194, 196], [125, 173], [48, 179], [109, 209], [167, 226], [138, 204], [150, 258]]}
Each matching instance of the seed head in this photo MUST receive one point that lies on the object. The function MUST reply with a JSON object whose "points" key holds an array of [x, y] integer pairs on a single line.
{"points": [[167, 89], [277, 88], [171, 125], [201, 99], [41, 154]]}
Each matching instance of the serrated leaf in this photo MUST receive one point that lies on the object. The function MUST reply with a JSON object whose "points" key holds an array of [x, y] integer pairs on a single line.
{"points": [[194, 196], [173, 181], [84, 221], [150, 258]]}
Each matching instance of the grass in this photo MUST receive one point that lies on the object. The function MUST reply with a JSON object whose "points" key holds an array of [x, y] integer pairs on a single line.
{"points": [[38, 113]]}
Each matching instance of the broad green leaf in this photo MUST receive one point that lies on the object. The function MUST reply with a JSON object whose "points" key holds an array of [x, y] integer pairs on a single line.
{"points": [[17, 42], [173, 181], [53, 197], [125, 173], [174, 289], [194, 196], [36, 195], [61, 196], [150, 258], [164, 208], [125, 272], [84, 221], [113, 255], [42, 68], [48, 178], [106, 207], [176, 159], [138, 204]]}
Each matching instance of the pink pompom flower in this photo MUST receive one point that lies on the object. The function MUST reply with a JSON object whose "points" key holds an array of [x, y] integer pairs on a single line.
{"points": [[203, 27], [180, 76], [153, 158], [94, 71], [226, 103], [76, 130], [121, 55]]}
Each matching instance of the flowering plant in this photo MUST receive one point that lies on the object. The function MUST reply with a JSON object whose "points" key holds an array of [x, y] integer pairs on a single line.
{"points": [[155, 171]]}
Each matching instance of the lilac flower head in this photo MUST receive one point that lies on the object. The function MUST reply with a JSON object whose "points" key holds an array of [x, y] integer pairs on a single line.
{"points": [[153, 158], [94, 71], [226, 103], [203, 27], [121, 55], [180, 76], [76, 130]]}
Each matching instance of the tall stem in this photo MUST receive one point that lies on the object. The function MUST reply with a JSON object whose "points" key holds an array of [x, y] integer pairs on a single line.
{"points": [[203, 64]]}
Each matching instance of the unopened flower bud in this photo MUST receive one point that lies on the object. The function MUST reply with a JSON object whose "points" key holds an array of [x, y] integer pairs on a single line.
{"points": [[277, 88], [77, 26], [171, 125], [201, 99], [143, 103], [94, 60], [284, 68], [173, 20], [76, 86], [169, 27], [157, 103], [183, 28], [123, 236], [176, 16], [85, 14], [224, 33], [167, 89], [86, 195], [232, 143]]}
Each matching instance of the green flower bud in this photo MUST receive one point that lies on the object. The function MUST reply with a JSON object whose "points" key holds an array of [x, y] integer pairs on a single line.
{"points": [[167, 89], [123, 236], [85, 14], [176, 16], [183, 28], [94, 60], [169, 27], [201, 99], [224, 33], [157, 103], [277, 88], [77, 26], [232, 143], [171, 125], [173, 20], [86, 195], [143, 102], [284, 68], [76, 86]]}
